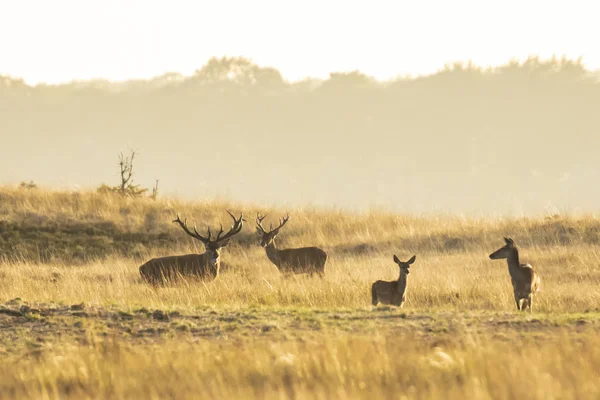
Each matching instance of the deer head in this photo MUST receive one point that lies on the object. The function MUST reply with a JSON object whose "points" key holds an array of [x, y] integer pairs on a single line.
{"points": [[505, 251], [404, 265], [267, 237], [213, 245]]}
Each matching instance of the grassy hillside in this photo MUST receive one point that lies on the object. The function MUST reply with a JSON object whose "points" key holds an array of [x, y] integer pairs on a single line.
{"points": [[77, 322], [70, 227], [110, 236]]}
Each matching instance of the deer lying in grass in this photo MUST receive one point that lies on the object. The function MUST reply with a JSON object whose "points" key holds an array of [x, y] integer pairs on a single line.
{"points": [[524, 279], [394, 292], [302, 260], [205, 266]]}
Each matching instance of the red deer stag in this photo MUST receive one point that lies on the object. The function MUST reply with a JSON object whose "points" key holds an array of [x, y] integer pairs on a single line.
{"points": [[205, 266], [302, 260], [524, 279]]}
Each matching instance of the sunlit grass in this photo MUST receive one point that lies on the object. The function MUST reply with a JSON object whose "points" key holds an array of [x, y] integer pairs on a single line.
{"points": [[344, 367], [463, 281], [452, 276]]}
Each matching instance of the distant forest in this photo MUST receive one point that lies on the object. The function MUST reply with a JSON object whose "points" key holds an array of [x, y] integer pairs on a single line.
{"points": [[520, 138]]}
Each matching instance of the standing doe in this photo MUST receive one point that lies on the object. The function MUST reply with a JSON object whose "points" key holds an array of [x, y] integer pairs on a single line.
{"points": [[524, 279], [205, 266], [393, 292], [309, 260]]}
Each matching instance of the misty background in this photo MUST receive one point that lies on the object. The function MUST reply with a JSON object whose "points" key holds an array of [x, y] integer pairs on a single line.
{"points": [[522, 138]]}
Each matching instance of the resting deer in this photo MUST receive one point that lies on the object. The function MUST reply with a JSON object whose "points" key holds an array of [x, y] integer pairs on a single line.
{"points": [[206, 265], [302, 260], [394, 292], [524, 279]]}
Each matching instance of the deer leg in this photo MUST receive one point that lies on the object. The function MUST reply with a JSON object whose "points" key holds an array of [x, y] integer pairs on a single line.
{"points": [[318, 271], [374, 300], [518, 302], [530, 302], [289, 274]]}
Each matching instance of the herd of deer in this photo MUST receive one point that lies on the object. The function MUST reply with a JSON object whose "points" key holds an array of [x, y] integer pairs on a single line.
{"points": [[311, 260]]}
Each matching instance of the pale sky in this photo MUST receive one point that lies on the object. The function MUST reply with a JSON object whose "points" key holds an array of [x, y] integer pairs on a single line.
{"points": [[61, 40]]}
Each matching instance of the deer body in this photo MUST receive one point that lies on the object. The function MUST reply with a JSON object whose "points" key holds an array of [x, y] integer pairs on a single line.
{"points": [[205, 266], [524, 279], [392, 292], [301, 260], [309, 260], [173, 267]]}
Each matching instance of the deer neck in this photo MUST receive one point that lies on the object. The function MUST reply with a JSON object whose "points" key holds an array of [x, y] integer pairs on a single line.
{"points": [[402, 282], [513, 261], [272, 253], [212, 267]]}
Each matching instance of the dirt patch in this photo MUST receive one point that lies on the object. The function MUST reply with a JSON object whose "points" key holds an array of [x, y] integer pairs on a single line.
{"points": [[31, 326]]}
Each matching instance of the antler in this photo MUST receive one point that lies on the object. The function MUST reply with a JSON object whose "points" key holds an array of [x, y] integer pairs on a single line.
{"points": [[235, 228], [282, 222], [194, 234], [260, 218]]}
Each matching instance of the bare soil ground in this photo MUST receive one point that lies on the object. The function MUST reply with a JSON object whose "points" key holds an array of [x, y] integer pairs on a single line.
{"points": [[35, 326]]}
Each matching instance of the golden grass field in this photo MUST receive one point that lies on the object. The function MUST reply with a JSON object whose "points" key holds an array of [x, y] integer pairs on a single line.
{"points": [[92, 329]]}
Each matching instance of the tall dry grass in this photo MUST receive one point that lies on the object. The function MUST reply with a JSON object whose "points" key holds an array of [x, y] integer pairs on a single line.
{"points": [[334, 367], [452, 268], [452, 272], [570, 283]]}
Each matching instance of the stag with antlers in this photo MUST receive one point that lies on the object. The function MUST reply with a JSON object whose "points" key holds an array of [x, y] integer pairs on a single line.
{"points": [[206, 265], [309, 260]]}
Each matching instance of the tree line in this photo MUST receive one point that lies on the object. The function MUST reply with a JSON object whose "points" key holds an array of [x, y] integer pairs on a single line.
{"points": [[465, 137]]}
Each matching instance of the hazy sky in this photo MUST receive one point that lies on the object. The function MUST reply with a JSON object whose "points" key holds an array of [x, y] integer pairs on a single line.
{"points": [[61, 40]]}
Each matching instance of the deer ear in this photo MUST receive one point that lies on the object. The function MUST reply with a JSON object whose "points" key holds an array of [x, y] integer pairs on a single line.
{"points": [[509, 241], [224, 244], [396, 260], [258, 231], [412, 259]]}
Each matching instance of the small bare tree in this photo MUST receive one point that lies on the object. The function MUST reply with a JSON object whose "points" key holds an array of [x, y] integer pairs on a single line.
{"points": [[127, 187]]}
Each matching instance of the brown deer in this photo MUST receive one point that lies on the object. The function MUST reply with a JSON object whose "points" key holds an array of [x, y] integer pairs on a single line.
{"points": [[205, 266], [302, 260], [392, 292], [524, 279]]}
